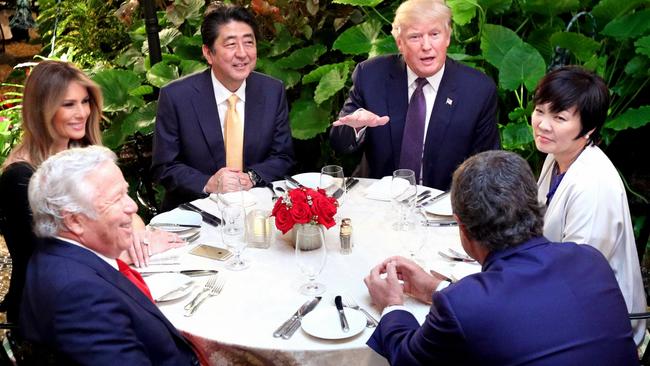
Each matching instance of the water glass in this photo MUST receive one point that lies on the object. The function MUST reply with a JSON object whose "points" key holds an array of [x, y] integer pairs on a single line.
{"points": [[311, 256], [403, 192], [332, 180]]}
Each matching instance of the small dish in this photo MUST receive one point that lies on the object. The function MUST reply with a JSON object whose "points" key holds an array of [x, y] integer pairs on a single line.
{"points": [[177, 217], [311, 180], [162, 286], [324, 323], [441, 207]]}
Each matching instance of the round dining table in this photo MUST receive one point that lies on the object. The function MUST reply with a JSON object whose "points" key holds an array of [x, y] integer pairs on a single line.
{"points": [[236, 327]]}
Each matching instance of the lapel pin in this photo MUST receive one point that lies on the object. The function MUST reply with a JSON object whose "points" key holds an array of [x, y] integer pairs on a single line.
{"points": [[449, 101]]}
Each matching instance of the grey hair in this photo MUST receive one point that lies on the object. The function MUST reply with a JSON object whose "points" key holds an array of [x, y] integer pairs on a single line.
{"points": [[59, 186], [425, 11], [494, 195]]}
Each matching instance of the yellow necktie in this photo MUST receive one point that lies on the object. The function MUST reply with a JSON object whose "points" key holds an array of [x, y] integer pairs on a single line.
{"points": [[234, 135]]}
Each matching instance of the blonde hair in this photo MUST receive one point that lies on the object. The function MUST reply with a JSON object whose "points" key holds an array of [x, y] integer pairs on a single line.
{"points": [[420, 11], [44, 92]]}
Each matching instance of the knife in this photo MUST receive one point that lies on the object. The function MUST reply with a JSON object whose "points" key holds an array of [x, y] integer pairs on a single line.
{"points": [[342, 318], [293, 181], [187, 272], [436, 198], [289, 327], [351, 183], [430, 223], [175, 291], [207, 217], [169, 224]]}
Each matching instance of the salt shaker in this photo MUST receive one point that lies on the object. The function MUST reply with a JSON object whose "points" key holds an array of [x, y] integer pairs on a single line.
{"points": [[346, 236]]}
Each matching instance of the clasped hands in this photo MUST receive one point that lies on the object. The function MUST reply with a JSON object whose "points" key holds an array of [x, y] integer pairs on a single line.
{"points": [[387, 290], [361, 118], [228, 180]]}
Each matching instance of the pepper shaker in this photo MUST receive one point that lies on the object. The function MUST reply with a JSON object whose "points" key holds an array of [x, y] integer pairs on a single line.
{"points": [[346, 236]]}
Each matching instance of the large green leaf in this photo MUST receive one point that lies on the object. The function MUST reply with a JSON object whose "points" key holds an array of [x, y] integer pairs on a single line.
{"points": [[329, 85], [317, 74], [632, 118], [495, 6], [637, 66], [496, 41], [161, 74], [581, 46], [140, 120], [184, 10], [289, 77], [190, 67], [643, 46], [516, 135], [549, 7], [628, 26], [166, 36], [301, 57], [606, 10], [540, 38], [358, 40], [308, 119], [116, 85], [521, 65], [188, 48], [463, 11], [371, 3], [382, 46], [282, 41]]}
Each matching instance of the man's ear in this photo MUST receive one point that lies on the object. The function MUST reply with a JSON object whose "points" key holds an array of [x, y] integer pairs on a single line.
{"points": [[73, 223]]}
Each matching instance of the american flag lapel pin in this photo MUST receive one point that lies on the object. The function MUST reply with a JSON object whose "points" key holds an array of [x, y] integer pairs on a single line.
{"points": [[449, 101]]}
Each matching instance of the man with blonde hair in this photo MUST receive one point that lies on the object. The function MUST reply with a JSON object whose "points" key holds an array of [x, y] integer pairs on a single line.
{"points": [[418, 110]]}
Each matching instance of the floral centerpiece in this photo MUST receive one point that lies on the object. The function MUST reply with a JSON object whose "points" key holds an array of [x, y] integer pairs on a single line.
{"points": [[304, 206]]}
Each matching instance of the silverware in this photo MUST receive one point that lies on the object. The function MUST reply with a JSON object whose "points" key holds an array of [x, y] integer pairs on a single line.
{"points": [[455, 259], [214, 291], [295, 324], [459, 254], [438, 223], [187, 272], [349, 302], [208, 285], [292, 181], [423, 194], [207, 217], [280, 189], [176, 291], [351, 183], [285, 326], [342, 318], [274, 195], [430, 200], [169, 224]]}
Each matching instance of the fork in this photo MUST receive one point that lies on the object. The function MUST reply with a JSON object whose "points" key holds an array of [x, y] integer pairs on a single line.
{"points": [[207, 287], [214, 291], [349, 302]]}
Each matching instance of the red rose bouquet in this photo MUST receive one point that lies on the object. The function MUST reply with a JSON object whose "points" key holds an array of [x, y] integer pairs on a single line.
{"points": [[304, 206]]}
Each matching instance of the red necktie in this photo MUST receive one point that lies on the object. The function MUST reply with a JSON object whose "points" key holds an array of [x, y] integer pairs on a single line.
{"points": [[134, 277]]}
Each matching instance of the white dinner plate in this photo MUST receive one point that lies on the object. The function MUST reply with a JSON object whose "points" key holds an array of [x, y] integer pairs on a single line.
{"points": [[311, 180], [324, 323], [248, 199], [160, 284], [441, 207], [180, 217]]}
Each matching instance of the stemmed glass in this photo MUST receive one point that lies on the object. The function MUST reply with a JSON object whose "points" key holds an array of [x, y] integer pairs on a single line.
{"points": [[311, 256], [403, 192], [332, 179], [233, 231]]}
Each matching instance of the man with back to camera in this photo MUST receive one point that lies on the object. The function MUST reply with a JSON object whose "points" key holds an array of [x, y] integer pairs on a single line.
{"points": [[79, 300], [227, 126], [418, 110], [534, 302]]}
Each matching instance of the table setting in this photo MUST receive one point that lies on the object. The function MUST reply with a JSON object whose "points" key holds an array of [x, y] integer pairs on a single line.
{"points": [[261, 313]]}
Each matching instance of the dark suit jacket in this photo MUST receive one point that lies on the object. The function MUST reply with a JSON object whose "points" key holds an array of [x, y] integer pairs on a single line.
{"points": [[79, 306], [540, 303], [188, 142], [462, 123]]}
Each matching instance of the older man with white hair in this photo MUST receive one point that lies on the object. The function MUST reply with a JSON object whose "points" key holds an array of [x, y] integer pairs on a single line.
{"points": [[79, 300]]}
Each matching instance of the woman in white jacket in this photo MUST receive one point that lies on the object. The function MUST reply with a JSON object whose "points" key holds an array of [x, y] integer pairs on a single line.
{"points": [[583, 193]]}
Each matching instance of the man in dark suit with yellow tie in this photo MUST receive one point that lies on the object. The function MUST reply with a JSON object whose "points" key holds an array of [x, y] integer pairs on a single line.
{"points": [[418, 110], [227, 127]]}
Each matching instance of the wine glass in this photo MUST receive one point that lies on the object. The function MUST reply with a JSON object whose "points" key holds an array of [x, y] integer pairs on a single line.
{"points": [[311, 256], [332, 180], [403, 193], [230, 201]]}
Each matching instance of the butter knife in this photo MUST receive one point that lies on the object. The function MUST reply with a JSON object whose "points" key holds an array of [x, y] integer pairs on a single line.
{"points": [[187, 272], [289, 178], [295, 323], [173, 292], [207, 217], [339, 306], [169, 224]]}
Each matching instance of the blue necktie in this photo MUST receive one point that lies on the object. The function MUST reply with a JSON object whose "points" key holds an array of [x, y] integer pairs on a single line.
{"points": [[413, 138]]}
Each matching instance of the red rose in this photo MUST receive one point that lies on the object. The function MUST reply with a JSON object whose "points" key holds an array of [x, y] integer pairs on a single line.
{"points": [[300, 212], [325, 208], [283, 219]]}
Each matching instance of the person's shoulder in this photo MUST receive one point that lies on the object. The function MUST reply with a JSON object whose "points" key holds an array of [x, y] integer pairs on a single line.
{"points": [[459, 69], [257, 78], [594, 169], [380, 62], [16, 172], [186, 82]]}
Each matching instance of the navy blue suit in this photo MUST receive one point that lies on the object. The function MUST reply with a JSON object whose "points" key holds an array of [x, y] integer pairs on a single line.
{"points": [[462, 123], [539, 303], [188, 142], [79, 306]]}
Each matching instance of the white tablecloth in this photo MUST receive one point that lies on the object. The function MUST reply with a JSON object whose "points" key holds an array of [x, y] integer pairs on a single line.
{"points": [[236, 326]]}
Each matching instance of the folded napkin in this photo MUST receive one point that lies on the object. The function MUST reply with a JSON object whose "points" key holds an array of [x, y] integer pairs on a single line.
{"points": [[246, 198], [380, 190]]}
